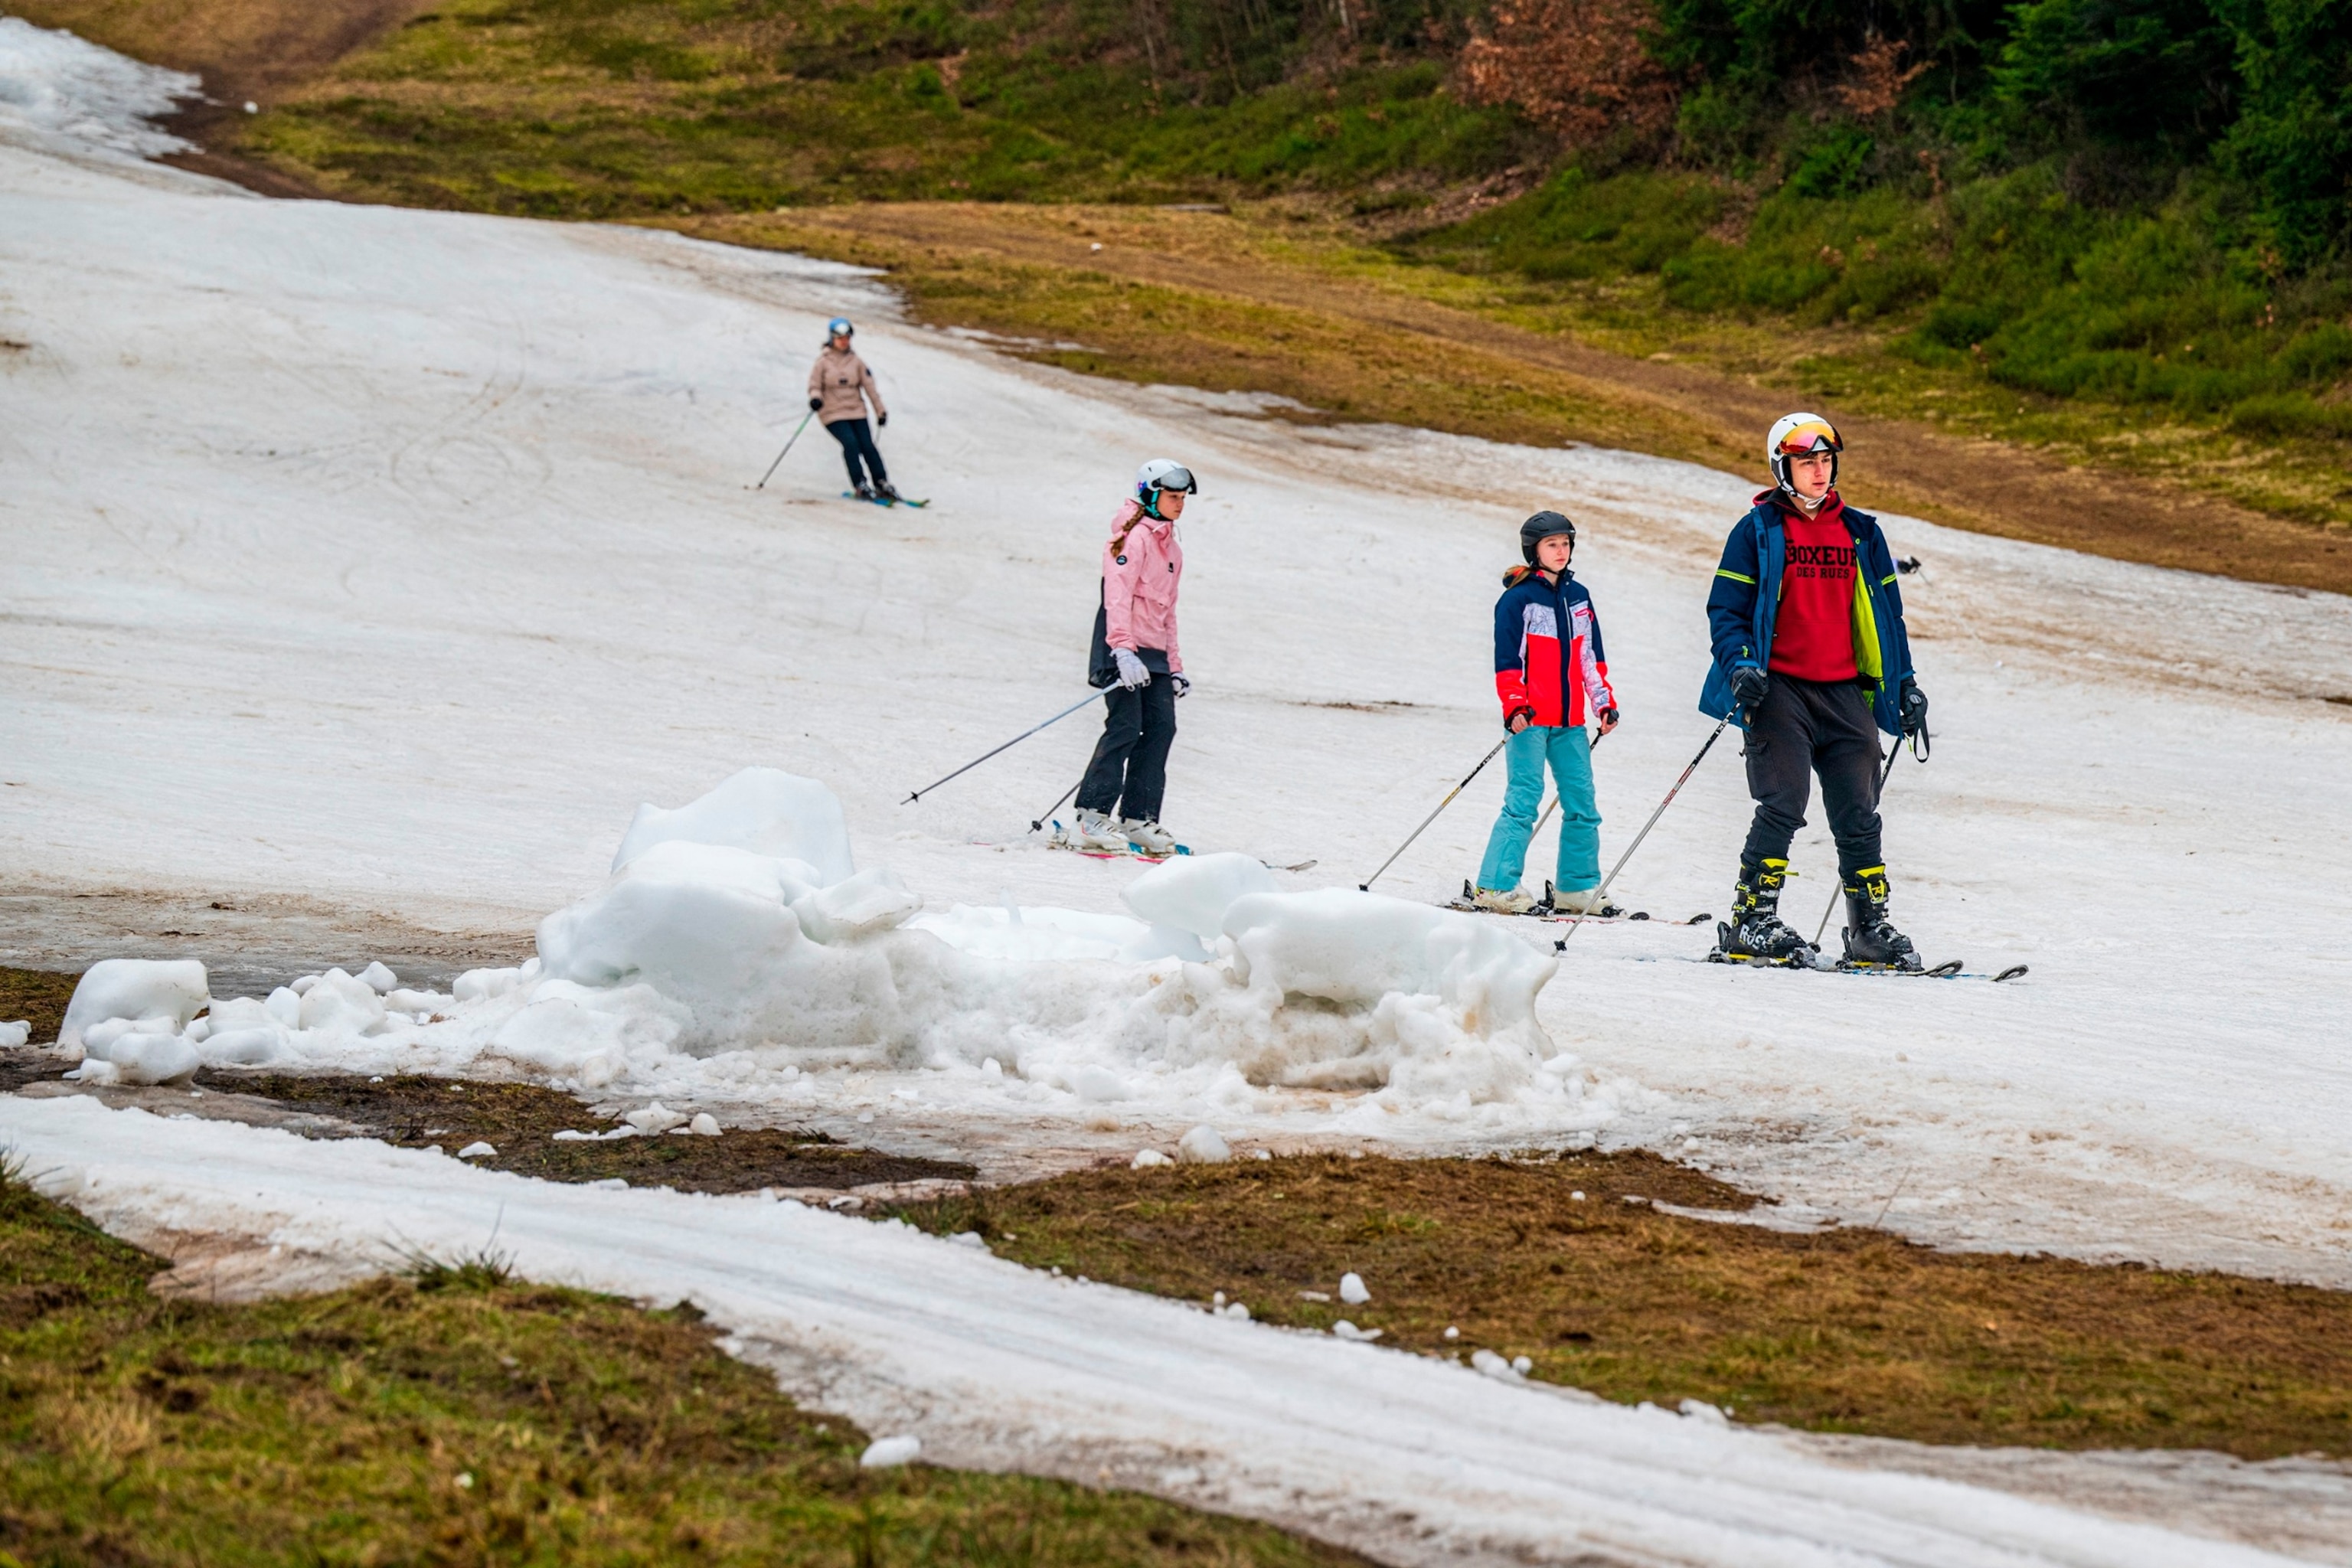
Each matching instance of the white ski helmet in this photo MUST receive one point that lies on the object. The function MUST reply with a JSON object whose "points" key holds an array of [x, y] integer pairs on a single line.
{"points": [[1163, 474], [1793, 436]]}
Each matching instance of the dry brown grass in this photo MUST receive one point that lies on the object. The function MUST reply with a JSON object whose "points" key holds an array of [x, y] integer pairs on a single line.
{"points": [[1849, 1331], [1275, 299]]}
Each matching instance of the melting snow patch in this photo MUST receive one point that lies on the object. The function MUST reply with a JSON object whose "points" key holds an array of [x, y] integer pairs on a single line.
{"points": [[1147, 1158], [64, 94], [736, 950], [884, 1452], [13, 1035], [1344, 1330], [1494, 1366], [477, 1151], [704, 1125], [1204, 1145], [1351, 1290]]}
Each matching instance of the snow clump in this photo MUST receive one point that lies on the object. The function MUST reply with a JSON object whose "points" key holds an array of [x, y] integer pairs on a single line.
{"points": [[1351, 1290], [174, 989], [1204, 1145], [735, 949], [884, 1452], [14, 1035]]}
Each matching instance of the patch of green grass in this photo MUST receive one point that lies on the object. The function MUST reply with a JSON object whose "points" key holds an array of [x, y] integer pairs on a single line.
{"points": [[38, 997], [2132, 337], [461, 1416], [1848, 1330], [590, 108]]}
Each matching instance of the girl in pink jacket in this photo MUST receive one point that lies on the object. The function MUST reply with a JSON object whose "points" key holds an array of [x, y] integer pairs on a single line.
{"points": [[1136, 657]]}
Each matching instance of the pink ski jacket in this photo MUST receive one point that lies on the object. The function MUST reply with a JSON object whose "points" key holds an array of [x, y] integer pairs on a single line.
{"points": [[1142, 565]]}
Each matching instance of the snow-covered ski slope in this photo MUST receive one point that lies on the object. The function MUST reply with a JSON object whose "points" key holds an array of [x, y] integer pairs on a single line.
{"points": [[393, 558]]}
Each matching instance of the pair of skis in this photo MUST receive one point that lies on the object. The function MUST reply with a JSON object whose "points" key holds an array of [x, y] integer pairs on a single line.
{"points": [[1546, 910], [1060, 840], [884, 501], [1951, 969]]}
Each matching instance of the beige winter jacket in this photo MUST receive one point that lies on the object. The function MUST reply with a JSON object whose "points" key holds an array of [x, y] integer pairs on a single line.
{"points": [[841, 378]]}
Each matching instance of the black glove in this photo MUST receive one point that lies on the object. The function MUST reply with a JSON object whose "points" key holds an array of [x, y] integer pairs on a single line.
{"points": [[1748, 685], [1911, 704], [881, 419], [815, 404], [1608, 719], [1522, 711]]}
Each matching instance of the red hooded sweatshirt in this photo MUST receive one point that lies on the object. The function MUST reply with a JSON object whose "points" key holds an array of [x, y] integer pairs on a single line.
{"points": [[1812, 631]]}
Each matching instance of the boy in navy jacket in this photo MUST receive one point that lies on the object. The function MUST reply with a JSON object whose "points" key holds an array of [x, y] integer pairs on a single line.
{"points": [[1548, 671], [1810, 654]]}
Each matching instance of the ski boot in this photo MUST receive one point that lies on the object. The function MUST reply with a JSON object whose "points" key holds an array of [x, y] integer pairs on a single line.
{"points": [[1870, 941], [1756, 934], [1148, 838], [1586, 901], [884, 490], [1500, 900], [864, 492], [1096, 833]]}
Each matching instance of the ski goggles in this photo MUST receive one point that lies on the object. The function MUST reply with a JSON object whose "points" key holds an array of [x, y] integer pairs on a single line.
{"points": [[1177, 479], [1813, 435]]}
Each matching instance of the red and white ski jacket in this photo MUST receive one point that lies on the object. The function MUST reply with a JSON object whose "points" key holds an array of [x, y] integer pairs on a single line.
{"points": [[1548, 656]]}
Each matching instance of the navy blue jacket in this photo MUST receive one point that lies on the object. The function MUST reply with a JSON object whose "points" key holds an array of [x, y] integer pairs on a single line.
{"points": [[1745, 602]]}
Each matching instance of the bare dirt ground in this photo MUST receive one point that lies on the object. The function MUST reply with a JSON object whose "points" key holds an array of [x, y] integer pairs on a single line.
{"points": [[250, 942]]}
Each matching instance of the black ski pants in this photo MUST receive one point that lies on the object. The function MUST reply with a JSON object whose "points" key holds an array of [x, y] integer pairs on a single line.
{"points": [[857, 438], [1129, 770], [1807, 727]]}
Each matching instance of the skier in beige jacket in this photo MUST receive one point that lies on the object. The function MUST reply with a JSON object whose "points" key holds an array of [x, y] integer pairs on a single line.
{"points": [[839, 387]]}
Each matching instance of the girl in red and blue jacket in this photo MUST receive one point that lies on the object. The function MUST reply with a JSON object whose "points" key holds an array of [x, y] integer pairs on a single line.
{"points": [[1549, 672]]}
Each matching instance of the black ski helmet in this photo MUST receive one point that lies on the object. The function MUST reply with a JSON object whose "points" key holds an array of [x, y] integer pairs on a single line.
{"points": [[1540, 527]]}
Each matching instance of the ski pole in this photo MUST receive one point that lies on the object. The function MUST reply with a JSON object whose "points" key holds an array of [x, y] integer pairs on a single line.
{"points": [[788, 447], [1366, 885], [1602, 891], [1037, 824], [1016, 740], [1892, 752]]}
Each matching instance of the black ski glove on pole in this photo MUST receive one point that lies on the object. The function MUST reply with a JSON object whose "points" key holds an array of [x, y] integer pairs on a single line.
{"points": [[815, 404], [1520, 712], [1748, 685], [1911, 704], [881, 419]]}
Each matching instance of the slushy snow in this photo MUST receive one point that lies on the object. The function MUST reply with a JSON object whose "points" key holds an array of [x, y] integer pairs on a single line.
{"points": [[711, 964], [540, 570]]}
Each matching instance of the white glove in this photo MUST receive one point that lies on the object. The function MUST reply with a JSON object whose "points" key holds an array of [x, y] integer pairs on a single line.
{"points": [[1131, 673], [1183, 686]]}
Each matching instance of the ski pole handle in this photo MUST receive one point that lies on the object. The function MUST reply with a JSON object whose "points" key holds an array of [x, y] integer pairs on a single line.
{"points": [[1366, 885], [1008, 745], [1603, 890], [788, 447]]}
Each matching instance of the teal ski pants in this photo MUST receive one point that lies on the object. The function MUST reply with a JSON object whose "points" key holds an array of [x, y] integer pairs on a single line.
{"points": [[1569, 752]]}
